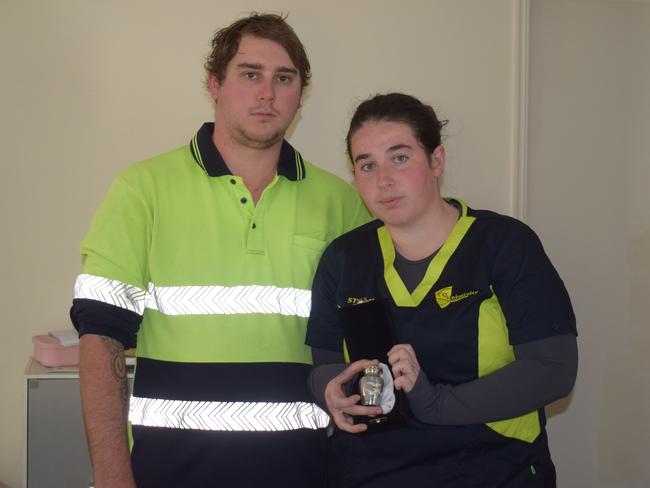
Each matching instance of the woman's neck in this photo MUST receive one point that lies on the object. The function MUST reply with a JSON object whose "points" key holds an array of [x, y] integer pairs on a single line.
{"points": [[421, 239]]}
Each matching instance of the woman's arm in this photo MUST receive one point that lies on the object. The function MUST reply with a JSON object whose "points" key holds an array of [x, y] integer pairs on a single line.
{"points": [[544, 371]]}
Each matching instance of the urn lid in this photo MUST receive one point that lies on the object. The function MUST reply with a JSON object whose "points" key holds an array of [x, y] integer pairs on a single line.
{"points": [[372, 369]]}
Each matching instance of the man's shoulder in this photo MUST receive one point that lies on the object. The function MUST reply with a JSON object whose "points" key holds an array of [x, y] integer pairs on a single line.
{"points": [[326, 204], [169, 164], [325, 180]]}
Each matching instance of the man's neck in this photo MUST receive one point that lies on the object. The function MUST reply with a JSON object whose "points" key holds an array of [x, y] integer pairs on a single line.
{"points": [[257, 167], [421, 239]]}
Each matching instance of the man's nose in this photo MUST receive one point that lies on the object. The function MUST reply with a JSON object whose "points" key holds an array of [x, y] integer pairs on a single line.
{"points": [[267, 91]]}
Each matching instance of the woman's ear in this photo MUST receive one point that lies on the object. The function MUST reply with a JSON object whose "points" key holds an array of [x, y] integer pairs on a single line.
{"points": [[438, 160]]}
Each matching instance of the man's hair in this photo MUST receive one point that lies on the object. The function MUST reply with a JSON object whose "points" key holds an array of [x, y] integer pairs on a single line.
{"points": [[266, 26], [397, 107]]}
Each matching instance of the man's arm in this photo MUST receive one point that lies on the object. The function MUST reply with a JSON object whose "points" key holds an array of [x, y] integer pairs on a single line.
{"points": [[104, 400]]}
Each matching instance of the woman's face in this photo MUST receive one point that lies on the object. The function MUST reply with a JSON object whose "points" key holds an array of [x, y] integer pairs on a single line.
{"points": [[395, 176]]}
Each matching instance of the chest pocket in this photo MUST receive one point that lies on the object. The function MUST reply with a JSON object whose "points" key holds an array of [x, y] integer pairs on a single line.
{"points": [[305, 254], [311, 243]]}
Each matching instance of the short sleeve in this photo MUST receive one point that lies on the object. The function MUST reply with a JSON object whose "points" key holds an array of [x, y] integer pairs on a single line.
{"points": [[110, 292], [323, 327], [116, 246], [531, 293]]}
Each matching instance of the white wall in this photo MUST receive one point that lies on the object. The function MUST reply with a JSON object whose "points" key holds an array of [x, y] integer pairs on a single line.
{"points": [[588, 198]]}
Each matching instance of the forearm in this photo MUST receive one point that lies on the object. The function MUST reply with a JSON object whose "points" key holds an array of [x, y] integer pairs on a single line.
{"points": [[104, 399], [543, 372], [507, 393], [327, 365]]}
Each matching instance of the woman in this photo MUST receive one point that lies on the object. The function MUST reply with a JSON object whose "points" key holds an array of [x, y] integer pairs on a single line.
{"points": [[485, 330]]}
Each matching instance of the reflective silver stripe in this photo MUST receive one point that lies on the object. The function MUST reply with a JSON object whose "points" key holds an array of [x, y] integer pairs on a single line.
{"points": [[207, 300], [227, 416], [111, 291], [196, 300]]}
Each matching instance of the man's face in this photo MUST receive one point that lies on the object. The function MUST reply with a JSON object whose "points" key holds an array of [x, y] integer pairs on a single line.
{"points": [[259, 95], [393, 173]]}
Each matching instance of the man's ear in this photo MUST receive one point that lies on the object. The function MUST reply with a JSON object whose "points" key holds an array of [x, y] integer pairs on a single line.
{"points": [[213, 85], [438, 160]]}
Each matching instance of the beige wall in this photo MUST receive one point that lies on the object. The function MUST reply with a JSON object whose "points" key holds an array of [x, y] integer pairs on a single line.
{"points": [[90, 86], [589, 171]]}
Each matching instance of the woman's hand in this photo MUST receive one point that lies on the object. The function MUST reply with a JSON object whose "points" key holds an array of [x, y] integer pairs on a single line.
{"points": [[404, 365], [342, 407]]}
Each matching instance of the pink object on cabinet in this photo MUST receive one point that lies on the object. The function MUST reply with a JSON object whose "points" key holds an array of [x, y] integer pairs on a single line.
{"points": [[49, 352]]}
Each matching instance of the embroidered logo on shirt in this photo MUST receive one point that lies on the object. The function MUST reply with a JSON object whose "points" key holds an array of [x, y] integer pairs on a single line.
{"points": [[444, 296], [357, 301]]}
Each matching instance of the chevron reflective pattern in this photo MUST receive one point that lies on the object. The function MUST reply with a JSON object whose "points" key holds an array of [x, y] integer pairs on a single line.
{"points": [[111, 291], [227, 416], [196, 300], [205, 300]]}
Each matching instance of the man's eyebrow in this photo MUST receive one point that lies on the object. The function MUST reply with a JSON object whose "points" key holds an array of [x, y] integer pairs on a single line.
{"points": [[249, 65], [258, 66], [286, 69]]}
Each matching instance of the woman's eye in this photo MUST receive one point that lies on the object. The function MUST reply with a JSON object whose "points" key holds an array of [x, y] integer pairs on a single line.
{"points": [[365, 167], [401, 158]]}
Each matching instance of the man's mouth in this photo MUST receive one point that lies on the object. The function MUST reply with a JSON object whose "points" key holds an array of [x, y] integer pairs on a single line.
{"points": [[264, 113]]}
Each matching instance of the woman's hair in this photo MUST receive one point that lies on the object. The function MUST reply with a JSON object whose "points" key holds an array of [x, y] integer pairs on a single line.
{"points": [[398, 107]]}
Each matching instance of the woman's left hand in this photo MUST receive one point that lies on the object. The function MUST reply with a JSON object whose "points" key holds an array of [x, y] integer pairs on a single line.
{"points": [[404, 365]]}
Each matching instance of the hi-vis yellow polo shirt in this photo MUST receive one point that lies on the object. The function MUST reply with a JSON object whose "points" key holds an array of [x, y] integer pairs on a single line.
{"points": [[217, 291]]}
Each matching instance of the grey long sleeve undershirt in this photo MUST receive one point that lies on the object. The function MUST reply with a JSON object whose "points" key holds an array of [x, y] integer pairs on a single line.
{"points": [[544, 371]]}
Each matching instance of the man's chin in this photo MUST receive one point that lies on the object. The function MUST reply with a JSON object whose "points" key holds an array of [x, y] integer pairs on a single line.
{"points": [[259, 141]]}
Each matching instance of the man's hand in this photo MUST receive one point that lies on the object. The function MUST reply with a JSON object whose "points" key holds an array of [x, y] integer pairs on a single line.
{"points": [[342, 407], [404, 365]]}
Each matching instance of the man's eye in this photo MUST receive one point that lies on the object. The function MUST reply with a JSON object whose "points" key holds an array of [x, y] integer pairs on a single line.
{"points": [[366, 167], [284, 79], [250, 75]]}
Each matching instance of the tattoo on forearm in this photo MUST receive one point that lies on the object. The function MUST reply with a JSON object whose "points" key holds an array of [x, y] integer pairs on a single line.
{"points": [[118, 366]]}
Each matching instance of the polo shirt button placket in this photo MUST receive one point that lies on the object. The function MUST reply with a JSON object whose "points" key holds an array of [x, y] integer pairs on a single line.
{"points": [[255, 240]]}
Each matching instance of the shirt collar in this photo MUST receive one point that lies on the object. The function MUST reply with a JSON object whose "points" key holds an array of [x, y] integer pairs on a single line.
{"points": [[207, 156]]}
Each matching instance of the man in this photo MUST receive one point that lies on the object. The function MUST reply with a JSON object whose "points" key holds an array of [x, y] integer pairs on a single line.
{"points": [[207, 253]]}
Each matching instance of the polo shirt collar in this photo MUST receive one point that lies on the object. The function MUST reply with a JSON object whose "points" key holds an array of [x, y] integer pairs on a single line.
{"points": [[207, 156]]}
